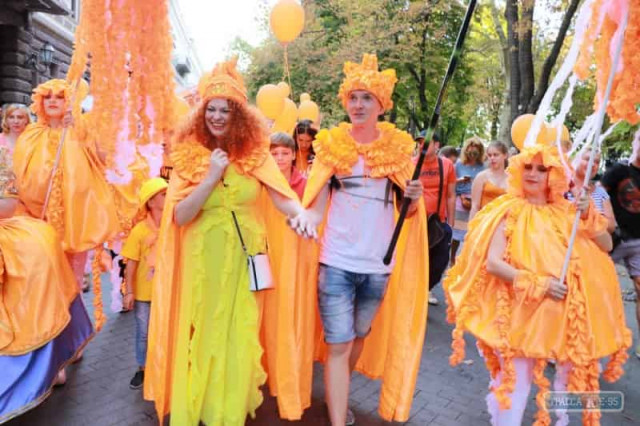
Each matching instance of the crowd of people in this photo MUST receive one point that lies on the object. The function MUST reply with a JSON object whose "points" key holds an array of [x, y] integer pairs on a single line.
{"points": [[256, 254]]}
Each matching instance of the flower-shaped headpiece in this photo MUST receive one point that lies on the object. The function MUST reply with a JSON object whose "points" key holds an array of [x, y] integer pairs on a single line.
{"points": [[55, 87], [366, 76], [223, 82]]}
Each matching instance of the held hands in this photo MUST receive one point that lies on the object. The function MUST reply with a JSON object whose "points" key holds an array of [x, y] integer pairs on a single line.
{"points": [[218, 163], [305, 224]]}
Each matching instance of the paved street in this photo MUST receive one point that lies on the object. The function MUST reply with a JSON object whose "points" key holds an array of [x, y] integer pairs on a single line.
{"points": [[97, 392]]}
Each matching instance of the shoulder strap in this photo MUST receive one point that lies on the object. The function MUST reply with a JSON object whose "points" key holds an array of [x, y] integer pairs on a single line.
{"points": [[440, 184], [235, 220]]}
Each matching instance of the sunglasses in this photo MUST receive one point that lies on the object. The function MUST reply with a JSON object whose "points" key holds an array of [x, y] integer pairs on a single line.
{"points": [[540, 168]]}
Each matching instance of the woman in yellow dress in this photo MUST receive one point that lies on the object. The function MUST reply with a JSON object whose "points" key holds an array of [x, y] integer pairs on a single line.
{"points": [[505, 290], [204, 362], [80, 205], [492, 182]]}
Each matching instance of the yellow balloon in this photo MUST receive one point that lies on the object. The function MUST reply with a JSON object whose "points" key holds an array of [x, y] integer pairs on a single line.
{"points": [[270, 101], [287, 20], [520, 128], [284, 89], [305, 97], [308, 110], [286, 121]]}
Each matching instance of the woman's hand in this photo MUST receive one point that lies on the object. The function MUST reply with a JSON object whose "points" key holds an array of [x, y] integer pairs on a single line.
{"points": [[556, 290], [582, 204], [67, 120], [305, 224], [414, 190], [127, 302], [218, 163]]}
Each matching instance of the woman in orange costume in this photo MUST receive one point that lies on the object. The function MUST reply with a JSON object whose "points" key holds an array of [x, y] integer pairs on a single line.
{"points": [[43, 323], [204, 360], [513, 303], [80, 205], [491, 182]]}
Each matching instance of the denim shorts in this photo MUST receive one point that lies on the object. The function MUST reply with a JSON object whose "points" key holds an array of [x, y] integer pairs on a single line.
{"points": [[348, 302]]}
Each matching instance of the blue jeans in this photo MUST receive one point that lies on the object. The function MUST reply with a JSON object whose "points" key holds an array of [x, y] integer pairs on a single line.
{"points": [[348, 302], [141, 311]]}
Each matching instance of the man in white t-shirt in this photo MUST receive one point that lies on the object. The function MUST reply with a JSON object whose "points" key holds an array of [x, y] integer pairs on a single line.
{"points": [[362, 169]]}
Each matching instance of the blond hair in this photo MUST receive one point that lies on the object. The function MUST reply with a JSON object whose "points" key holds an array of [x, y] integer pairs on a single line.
{"points": [[10, 109], [472, 142]]}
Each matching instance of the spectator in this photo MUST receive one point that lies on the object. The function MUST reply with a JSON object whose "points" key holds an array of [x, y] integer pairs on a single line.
{"points": [[467, 168], [450, 153], [283, 150], [622, 182], [432, 169]]}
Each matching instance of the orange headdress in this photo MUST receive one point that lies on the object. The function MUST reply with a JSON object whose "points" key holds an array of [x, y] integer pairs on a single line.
{"points": [[54, 87], [558, 182], [366, 76], [223, 82]]}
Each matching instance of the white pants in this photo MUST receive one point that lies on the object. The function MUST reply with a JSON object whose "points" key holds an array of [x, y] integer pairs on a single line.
{"points": [[520, 395]]}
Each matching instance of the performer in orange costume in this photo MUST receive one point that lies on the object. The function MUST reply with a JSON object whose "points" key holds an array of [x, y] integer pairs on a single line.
{"points": [[505, 291], [43, 323], [204, 358], [80, 206], [370, 165]]}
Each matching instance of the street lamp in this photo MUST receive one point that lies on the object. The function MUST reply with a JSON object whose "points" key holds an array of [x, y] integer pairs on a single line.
{"points": [[43, 58]]}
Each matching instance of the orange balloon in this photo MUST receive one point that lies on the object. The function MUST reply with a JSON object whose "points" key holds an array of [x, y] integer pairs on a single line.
{"points": [[270, 101], [286, 121], [308, 110], [305, 97], [520, 128], [285, 90], [287, 20]]}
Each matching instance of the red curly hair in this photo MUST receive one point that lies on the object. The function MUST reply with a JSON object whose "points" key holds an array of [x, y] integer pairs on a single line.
{"points": [[247, 130]]}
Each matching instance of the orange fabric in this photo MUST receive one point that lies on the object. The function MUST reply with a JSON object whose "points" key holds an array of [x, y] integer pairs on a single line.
{"points": [[391, 356], [490, 192], [284, 309], [514, 320], [37, 285], [78, 190]]}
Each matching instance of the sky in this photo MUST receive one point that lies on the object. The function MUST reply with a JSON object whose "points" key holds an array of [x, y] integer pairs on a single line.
{"points": [[214, 24]]}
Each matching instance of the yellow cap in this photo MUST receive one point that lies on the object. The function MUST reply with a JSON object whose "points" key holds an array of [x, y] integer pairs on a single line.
{"points": [[151, 188]]}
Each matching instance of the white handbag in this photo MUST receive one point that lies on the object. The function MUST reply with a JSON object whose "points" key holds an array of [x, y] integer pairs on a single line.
{"points": [[260, 277]]}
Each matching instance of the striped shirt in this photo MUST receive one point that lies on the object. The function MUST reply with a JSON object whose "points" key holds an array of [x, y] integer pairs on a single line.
{"points": [[598, 196]]}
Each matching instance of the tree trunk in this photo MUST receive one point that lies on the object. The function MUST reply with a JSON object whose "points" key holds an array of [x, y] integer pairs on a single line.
{"points": [[505, 111], [511, 15], [550, 62], [525, 56]]}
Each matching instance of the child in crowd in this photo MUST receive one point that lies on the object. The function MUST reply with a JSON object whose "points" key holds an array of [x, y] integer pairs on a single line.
{"points": [[283, 150], [140, 254]]}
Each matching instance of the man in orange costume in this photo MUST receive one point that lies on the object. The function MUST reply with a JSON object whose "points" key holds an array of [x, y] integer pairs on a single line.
{"points": [[369, 166]]}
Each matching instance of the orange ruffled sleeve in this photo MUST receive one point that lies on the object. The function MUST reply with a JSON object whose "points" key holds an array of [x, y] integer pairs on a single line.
{"points": [[529, 287]]}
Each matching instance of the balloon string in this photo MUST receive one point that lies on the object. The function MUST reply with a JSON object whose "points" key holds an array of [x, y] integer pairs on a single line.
{"points": [[287, 73]]}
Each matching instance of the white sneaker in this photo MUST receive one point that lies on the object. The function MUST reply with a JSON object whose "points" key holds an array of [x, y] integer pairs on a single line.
{"points": [[432, 300]]}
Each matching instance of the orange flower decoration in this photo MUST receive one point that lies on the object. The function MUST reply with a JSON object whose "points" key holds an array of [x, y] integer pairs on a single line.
{"points": [[54, 87], [223, 82], [366, 76]]}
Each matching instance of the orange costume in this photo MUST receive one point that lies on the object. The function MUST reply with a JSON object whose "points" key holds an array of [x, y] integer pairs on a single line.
{"points": [[81, 206], [490, 192], [516, 324], [205, 360], [394, 357]]}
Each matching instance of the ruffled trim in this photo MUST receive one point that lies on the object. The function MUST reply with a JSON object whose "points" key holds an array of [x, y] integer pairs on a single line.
{"points": [[530, 288], [387, 155], [542, 416], [96, 272], [190, 160]]}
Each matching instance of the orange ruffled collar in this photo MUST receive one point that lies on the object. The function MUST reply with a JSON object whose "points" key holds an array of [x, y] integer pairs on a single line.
{"points": [[387, 155], [191, 159]]}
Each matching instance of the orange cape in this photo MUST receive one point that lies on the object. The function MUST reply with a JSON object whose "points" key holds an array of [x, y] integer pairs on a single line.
{"points": [[388, 354], [81, 206], [284, 310], [37, 285]]}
